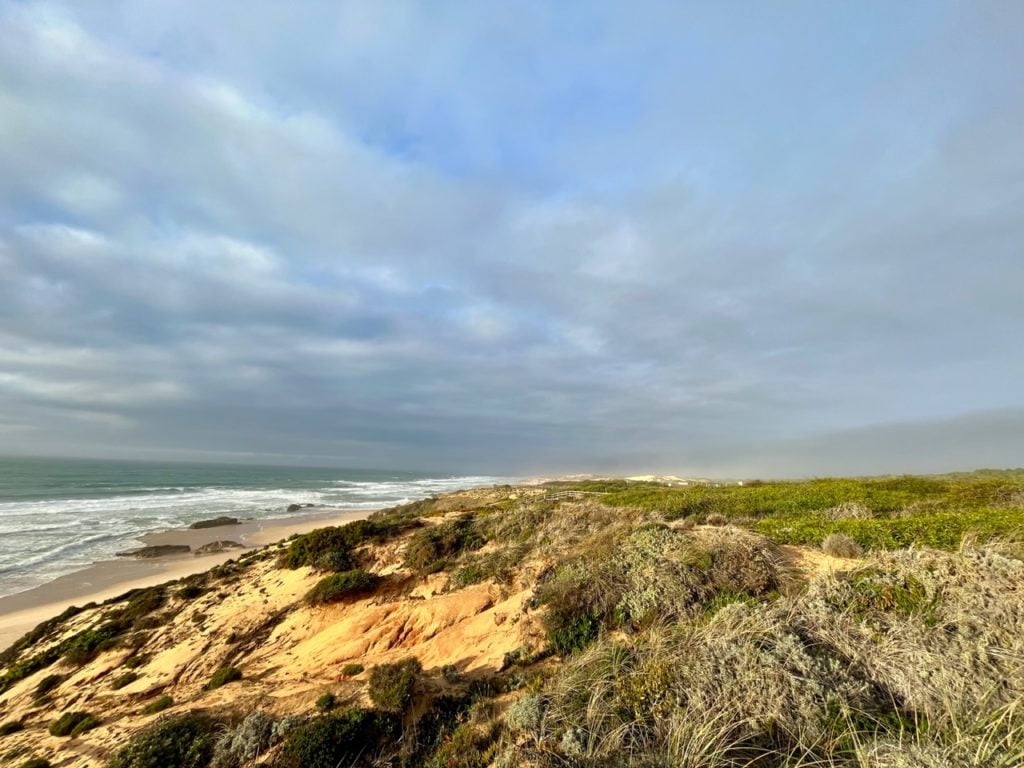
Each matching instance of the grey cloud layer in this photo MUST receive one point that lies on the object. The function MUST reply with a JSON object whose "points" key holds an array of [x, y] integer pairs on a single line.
{"points": [[280, 256]]}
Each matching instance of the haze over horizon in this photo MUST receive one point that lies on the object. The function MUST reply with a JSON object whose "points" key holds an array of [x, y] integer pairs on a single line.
{"points": [[700, 238]]}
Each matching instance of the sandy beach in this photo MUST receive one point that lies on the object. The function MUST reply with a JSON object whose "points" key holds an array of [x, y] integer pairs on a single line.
{"points": [[100, 581]]}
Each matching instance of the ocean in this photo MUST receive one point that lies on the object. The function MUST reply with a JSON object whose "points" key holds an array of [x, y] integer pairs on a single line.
{"points": [[59, 515]]}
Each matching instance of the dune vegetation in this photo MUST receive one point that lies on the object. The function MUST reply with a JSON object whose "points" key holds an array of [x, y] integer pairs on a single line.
{"points": [[834, 622]]}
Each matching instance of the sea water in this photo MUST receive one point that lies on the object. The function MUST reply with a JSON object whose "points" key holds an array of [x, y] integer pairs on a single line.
{"points": [[59, 515]]}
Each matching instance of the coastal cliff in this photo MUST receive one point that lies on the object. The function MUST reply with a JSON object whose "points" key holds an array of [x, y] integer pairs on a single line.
{"points": [[575, 623]]}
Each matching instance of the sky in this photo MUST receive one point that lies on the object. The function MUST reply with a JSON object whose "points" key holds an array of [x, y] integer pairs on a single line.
{"points": [[719, 238]]}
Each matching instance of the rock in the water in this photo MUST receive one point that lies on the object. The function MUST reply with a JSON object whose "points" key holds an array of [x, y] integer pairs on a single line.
{"points": [[217, 521], [218, 546], [297, 507], [156, 550]]}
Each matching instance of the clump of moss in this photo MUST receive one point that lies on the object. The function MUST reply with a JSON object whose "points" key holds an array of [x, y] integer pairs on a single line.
{"points": [[223, 676], [180, 741], [352, 669], [391, 685], [36, 762], [338, 586], [135, 661], [158, 704], [190, 591], [73, 723]]}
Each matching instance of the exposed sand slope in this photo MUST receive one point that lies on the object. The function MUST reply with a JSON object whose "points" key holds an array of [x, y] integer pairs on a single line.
{"points": [[289, 653]]}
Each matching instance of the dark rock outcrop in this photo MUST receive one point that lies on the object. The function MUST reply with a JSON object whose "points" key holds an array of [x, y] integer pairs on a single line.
{"points": [[297, 507], [218, 546], [156, 550], [214, 523]]}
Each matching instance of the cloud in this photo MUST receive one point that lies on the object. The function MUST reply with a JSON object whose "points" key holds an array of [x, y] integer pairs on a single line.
{"points": [[523, 239]]}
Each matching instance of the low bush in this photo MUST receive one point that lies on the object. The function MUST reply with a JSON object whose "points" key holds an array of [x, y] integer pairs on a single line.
{"points": [[335, 541], [444, 541], [351, 670], [391, 685], [245, 742], [11, 726], [223, 676], [338, 586], [36, 762], [135, 661], [179, 741], [86, 645], [326, 702], [122, 680], [190, 592], [466, 747], [46, 685], [333, 562], [840, 545], [350, 739], [158, 704], [73, 723]]}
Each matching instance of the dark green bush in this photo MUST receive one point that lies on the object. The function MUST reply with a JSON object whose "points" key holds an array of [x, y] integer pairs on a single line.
{"points": [[47, 684], [73, 723], [122, 680], [190, 591], [158, 704], [338, 586], [333, 561], [178, 741], [444, 541], [350, 738], [326, 702], [351, 670], [11, 726], [391, 685], [135, 661], [223, 676], [86, 645], [339, 540], [36, 762]]}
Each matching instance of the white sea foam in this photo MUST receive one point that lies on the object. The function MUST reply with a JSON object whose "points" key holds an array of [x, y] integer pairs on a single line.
{"points": [[44, 538]]}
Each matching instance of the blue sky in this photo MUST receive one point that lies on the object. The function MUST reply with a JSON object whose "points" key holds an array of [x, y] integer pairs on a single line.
{"points": [[726, 238]]}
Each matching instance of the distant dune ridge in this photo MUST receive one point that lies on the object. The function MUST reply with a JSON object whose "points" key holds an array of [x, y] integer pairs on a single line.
{"points": [[845, 622]]}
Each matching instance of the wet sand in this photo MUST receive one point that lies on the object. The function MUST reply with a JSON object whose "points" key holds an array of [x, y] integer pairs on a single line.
{"points": [[100, 581]]}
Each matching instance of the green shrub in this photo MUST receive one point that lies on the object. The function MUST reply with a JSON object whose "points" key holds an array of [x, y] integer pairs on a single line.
{"points": [[190, 592], [36, 762], [351, 670], [444, 541], [178, 741], [326, 702], [126, 679], [339, 586], [350, 738], [158, 704], [11, 726], [135, 661], [86, 645], [336, 541], [333, 561], [465, 747], [223, 676], [73, 723], [391, 685], [47, 684]]}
